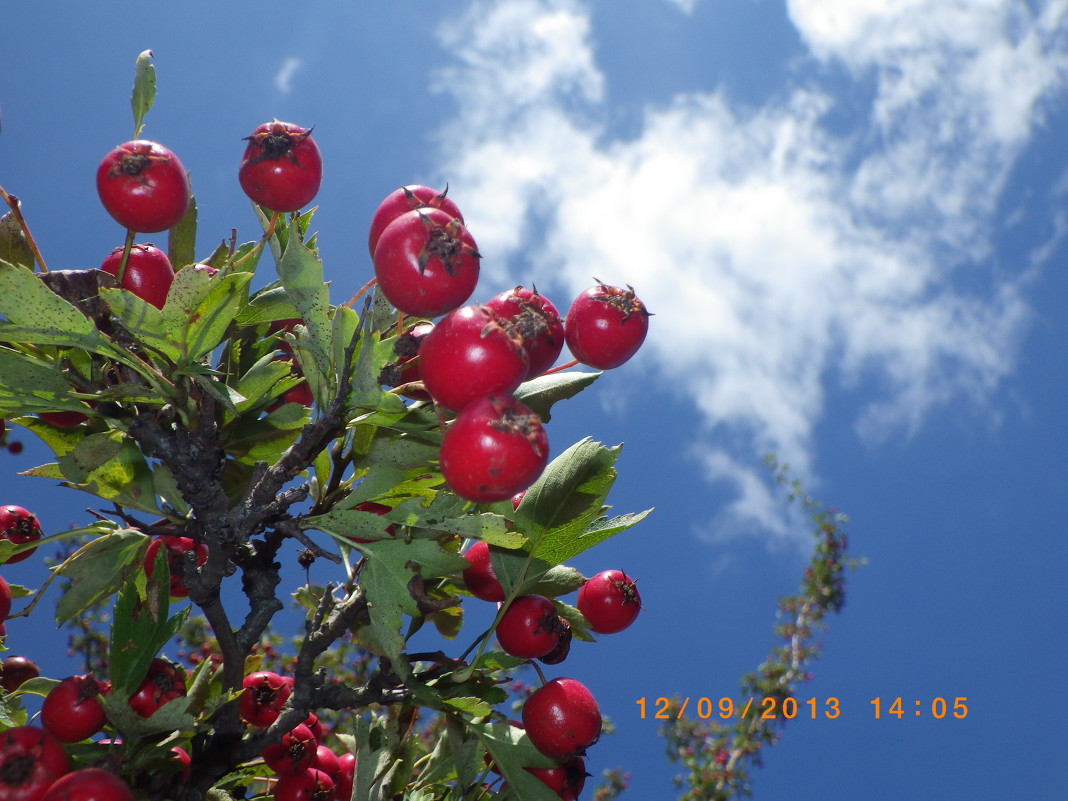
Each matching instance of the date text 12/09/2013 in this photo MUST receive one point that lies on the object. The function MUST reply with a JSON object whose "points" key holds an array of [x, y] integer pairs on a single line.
{"points": [[770, 707]]}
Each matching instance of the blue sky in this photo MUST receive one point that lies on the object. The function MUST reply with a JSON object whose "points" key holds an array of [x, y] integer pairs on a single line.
{"points": [[849, 219]]}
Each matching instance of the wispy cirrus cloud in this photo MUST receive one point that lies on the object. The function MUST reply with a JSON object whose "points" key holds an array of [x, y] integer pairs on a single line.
{"points": [[809, 257]]}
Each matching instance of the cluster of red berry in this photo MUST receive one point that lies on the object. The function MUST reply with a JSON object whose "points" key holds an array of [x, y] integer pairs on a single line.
{"points": [[469, 364], [475, 357], [561, 718]]}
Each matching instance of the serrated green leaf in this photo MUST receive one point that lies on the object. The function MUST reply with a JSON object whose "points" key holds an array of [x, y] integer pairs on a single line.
{"points": [[558, 580], [144, 90], [471, 706], [97, 570], [512, 752], [262, 381], [539, 394], [171, 717], [29, 385], [202, 307], [35, 314]]}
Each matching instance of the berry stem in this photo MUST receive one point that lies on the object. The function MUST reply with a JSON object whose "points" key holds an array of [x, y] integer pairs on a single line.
{"points": [[551, 370], [127, 246], [361, 291], [13, 204], [267, 234]]}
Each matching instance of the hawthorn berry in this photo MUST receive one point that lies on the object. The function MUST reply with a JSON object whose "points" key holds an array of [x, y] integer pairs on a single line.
{"points": [[561, 719], [263, 696], [609, 601], [148, 272], [311, 784], [404, 199], [71, 711], [536, 320], [295, 753], [479, 578], [31, 760], [469, 354], [282, 167], [19, 526], [5, 599], [529, 627], [164, 682], [16, 671], [63, 419], [177, 548], [89, 784], [605, 326], [493, 449], [426, 262], [143, 186], [346, 776]]}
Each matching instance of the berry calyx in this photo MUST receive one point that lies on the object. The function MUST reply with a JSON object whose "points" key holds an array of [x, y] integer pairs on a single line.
{"points": [[537, 322]]}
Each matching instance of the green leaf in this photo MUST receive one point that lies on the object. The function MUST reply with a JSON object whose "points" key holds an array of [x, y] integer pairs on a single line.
{"points": [[262, 381], [539, 394], [141, 627], [301, 273], [97, 570], [143, 321], [13, 245], [182, 238], [268, 305], [390, 566], [36, 315], [29, 385], [144, 90], [512, 752], [201, 307], [112, 467]]}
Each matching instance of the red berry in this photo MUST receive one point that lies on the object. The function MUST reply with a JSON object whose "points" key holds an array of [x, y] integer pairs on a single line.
{"points": [[263, 696], [66, 419], [143, 186], [19, 527], [31, 760], [89, 784], [470, 354], [562, 719], [609, 601], [605, 326], [16, 671], [530, 627], [536, 320], [326, 761], [426, 262], [5, 599], [309, 785], [165, 682], [493, 449], [295, 753], [177, 547], [282, 168], [346, 776], [148, 272], [71, 711], [406, 199], [480, 579]]}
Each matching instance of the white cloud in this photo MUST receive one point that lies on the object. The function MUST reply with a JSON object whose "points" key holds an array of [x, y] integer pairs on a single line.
{"points": [[781, 259], [283, 79]]}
